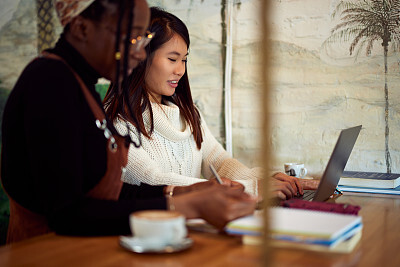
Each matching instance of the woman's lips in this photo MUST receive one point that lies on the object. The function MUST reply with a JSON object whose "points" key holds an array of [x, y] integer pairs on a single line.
{"points": [[173, 83]]}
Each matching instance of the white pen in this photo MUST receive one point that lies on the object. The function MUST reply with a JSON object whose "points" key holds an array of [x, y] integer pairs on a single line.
{"points": [[216, 174]]}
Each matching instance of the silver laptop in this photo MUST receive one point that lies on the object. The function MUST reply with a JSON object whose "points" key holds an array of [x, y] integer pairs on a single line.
{"points": [[335, 167]]}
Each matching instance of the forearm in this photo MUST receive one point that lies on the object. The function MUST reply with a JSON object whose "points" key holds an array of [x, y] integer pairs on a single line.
{"points": [[235, 170], [92, 217], [228, 167], [217, 204]]}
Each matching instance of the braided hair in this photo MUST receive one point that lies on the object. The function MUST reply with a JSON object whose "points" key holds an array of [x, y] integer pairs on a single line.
{"points": [[95, 12]]}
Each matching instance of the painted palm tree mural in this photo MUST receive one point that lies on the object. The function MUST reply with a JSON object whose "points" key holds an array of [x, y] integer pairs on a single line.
{"points": [[366, 23]]}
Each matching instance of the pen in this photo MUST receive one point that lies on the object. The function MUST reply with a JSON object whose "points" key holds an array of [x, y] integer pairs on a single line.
{"points": [[338, 191], [215, 174]]}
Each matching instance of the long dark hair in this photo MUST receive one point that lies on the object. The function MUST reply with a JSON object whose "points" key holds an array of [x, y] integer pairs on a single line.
{"points": [[95, 12], [165, 25]]}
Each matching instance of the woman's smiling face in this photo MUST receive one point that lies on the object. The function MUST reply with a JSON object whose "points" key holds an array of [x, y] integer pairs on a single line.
{"points": [[167, 66]]}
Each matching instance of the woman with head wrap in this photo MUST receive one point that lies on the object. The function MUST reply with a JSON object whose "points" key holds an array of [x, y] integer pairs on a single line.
{"points": [[62, 161]]}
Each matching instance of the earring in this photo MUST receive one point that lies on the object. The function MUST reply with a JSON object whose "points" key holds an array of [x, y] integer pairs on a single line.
{"points": [[118, 55]]}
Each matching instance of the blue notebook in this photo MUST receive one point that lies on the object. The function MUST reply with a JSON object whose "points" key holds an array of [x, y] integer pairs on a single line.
{"points": [[392, 191], [370, 179]]}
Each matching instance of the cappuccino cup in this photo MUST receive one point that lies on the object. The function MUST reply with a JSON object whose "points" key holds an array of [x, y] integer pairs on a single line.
{"points": [[158, 228], [295, 169]]}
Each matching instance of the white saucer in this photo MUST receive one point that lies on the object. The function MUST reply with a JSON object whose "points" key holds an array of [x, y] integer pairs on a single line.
{"points": [[136, 245]]}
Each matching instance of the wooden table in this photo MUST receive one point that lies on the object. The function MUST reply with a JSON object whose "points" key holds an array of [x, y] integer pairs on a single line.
{"points": [[379, 246], [52, 250]]}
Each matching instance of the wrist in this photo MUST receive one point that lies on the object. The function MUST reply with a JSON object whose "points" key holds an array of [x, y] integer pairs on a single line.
{"points": [[169, 190], [178, 190], [275, 173], [168, 193], [170, 203], [186, 204]]}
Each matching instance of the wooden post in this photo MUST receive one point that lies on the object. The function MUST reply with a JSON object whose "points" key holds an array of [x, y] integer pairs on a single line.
{"points": [[266, 129]]}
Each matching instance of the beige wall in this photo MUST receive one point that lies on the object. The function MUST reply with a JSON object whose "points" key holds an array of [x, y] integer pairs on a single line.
{"points": [[17, 38], [316, 91]]}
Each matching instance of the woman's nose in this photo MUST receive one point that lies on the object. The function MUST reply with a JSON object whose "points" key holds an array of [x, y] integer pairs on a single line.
{"points": [[139, 55], [180, 69]]}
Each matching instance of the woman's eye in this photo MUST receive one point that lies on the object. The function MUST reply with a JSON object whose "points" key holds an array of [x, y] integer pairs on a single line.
{"points": [[171, 59]]}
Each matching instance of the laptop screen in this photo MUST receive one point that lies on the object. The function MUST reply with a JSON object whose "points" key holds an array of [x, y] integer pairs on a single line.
{"points": [[336, 164]]}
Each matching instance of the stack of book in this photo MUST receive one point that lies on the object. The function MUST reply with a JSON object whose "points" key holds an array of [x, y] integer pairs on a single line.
{"points": [[302, 229], [370, 182]]}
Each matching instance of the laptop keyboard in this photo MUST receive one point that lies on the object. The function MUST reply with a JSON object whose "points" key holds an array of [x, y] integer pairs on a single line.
{"points": [[308, 195]]}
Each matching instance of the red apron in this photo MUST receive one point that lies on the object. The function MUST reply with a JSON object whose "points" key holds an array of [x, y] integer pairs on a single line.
{"points": [[24, 223]]}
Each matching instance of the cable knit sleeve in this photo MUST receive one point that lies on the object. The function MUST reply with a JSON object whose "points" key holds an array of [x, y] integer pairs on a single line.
{"points": [[227, 166], [142, 168]]}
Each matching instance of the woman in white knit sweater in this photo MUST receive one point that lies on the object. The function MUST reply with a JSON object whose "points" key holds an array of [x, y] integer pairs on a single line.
{"points": [[176, 144]]}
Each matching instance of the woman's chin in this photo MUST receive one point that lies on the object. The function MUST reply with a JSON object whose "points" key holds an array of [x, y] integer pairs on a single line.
{"points": [[171, 93]]}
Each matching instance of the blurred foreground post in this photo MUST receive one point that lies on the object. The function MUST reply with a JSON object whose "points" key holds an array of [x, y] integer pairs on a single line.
{"points": [[266, 131]]}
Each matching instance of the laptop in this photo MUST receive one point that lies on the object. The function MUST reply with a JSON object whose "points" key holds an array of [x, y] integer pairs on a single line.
{"points": [[335, 167]]}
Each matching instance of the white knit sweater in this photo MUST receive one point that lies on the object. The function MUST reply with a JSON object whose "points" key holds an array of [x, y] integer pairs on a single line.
{"points": [[171, 156]]}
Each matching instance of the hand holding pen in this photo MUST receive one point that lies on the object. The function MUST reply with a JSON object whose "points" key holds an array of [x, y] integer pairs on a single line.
{"points": [[219, 180], [224, 181]]}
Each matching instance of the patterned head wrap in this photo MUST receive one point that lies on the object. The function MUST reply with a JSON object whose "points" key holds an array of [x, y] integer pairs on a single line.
{"points": [[68, 9]]}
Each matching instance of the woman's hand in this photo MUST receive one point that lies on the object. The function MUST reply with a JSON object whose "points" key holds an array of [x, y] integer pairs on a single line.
{"points": [[309, 184], [285, 186], [217, 204], [281, 189], [294, 182], [300, 184]]}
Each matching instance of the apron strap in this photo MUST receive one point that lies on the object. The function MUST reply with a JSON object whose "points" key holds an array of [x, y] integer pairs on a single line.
{"points": [[117, 151], [25, 224]]}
